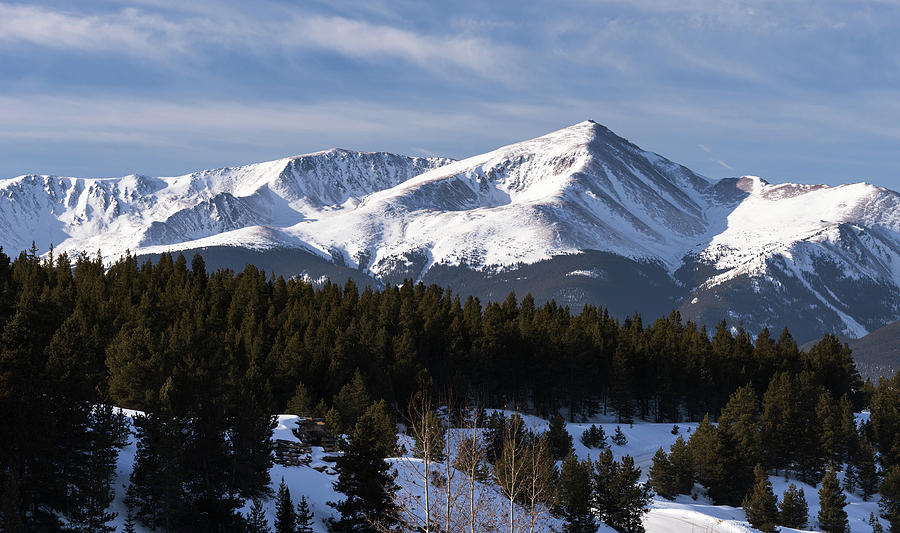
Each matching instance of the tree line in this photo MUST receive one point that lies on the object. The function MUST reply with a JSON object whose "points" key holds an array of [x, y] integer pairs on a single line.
{"points": [[209, 357]]}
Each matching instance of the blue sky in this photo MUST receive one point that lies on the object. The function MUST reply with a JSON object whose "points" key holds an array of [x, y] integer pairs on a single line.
{"points": [[788, 90]]}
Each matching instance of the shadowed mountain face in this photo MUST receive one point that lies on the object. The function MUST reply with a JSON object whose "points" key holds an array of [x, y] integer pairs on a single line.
{"points": [[580, 216]]}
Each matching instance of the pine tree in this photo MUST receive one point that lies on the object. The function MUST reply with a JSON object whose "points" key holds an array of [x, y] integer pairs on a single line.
{"points": [[760, 504], [285, 519], [560, 440], [573, 496], [300, 403], [619, 437], [594, 437], [875, 524], [603, 492], [365, 478], [832, 516], [256, 519], [682, 466], [890, 497], [866, 469], [129, 523], [705, 448], [662, 475], [304, 516], [792, 509], [632, 498], [352, 401]]}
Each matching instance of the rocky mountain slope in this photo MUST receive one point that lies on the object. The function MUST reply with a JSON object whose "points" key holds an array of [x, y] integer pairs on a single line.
{"points": [[580, 215]]}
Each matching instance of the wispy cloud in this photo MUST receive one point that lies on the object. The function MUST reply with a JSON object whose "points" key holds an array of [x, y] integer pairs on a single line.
{"points": [[361, 39], [128, 31], [158, 37]]}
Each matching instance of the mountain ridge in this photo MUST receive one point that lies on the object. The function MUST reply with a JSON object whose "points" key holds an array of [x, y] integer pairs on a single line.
{"points": [[815, 257]]}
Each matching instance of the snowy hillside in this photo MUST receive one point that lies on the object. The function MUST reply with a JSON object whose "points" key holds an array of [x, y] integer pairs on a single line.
{"points": [[682, 515], [579, 215]]}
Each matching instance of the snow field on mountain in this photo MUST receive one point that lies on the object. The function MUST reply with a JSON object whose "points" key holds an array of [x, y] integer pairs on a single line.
{"points": [[578, 189]]}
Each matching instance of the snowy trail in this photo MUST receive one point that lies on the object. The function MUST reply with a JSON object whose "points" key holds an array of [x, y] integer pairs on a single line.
{"points": [[682, 521]]}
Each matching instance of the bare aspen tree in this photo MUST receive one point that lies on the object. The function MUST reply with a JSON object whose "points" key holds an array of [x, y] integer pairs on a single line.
{"points": [[470, 460], [510, 469], [426, 430], [539, 484], [450, 449]]}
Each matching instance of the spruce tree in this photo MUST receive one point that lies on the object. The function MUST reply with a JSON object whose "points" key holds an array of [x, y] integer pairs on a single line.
{"points": [[875, 524], [300, 403], [866, 469], [632, 498], [365, 477], [129, 523], [890, 498], [662, 476], [705, 448], [285, 519], [793, 510], [832, 516], [594, 437], [760, 504], [619, 437], [304, 516], [573, 496], [682, 466], [256, 519], [560, 440]]}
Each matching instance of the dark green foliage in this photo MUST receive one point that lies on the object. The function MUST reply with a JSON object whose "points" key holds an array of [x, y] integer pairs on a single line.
{"points": [[832, 516], [682, 466], [890, 498], [760, 504], [619, 498], [351, 402], [129, 526], [560, 440], [300, 403], [573, 496], [594, 437], [875, 524], [210, 356], [793, 510], [662, 475], [619, 438], [256, 519], [885, 410], [499, 430], [705, 448], [365, 478], [866, 470], [285, 517], [90, 499], [304, 516]]}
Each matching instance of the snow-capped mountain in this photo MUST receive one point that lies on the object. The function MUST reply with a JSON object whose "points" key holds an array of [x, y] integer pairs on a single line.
{"points": [[579, 215]]}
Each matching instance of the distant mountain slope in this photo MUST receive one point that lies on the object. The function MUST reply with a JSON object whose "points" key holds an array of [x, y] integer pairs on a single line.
{"points": [[878, 353], [579, 215]]}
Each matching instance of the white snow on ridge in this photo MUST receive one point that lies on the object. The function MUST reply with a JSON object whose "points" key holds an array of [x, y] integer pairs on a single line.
{"points": [[580, 188]]}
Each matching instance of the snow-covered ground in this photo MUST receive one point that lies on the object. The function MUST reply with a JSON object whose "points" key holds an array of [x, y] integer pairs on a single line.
{"points": [[685, 514]]}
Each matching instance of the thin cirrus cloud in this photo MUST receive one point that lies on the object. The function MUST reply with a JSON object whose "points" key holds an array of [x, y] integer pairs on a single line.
{"points": [[158, 37], [129, 30], [801, 90]]}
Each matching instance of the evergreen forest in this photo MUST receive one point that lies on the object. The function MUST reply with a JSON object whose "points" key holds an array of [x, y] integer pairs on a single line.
{"points": [[209, 358]]}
